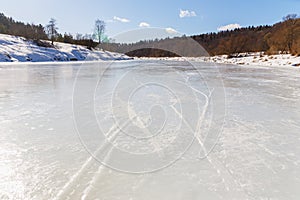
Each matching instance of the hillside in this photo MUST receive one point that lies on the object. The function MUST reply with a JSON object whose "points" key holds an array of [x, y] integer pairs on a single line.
{"points": [[281, 37], [38, 32], [19, 49], [12, 27]]}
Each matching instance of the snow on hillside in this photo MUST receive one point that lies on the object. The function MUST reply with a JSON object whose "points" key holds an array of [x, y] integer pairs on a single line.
{"points": [[256, 59], [18, 49]]}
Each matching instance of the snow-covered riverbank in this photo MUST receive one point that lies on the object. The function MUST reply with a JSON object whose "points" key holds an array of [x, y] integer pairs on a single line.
{"points": [[18, 49], [257, 59]]}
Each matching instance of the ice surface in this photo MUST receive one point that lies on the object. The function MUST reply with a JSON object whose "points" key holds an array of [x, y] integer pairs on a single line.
{"points": [[54, 116]]}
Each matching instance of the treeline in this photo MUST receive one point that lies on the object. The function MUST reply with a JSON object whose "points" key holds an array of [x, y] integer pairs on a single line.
{"points": [[281, 37], [169, 47], [84, 40], [250, 39], [39, 32], [29, 31]]}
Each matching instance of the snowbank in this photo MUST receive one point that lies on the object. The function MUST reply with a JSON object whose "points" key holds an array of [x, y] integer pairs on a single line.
{"points": [[18, 49], [257, 59]]}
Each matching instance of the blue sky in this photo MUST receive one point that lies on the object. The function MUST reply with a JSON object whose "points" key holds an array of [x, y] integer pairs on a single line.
{"points": [[197, 16]]}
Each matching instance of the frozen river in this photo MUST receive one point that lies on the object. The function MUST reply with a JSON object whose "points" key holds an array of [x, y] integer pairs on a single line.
{"points": [[149, 130]]}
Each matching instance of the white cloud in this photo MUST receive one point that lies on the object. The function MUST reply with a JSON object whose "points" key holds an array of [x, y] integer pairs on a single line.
{"points": [[171, 31], [144, 24], [187, 13], [119, 19], [229, 27]]}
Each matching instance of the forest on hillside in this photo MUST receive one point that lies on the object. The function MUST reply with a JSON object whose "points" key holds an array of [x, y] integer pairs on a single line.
{"points": [[282, 37], [11, 27], [39, 32]]}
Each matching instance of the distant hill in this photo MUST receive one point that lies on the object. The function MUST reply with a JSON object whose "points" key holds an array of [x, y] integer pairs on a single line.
{"points": [[283, 36]]}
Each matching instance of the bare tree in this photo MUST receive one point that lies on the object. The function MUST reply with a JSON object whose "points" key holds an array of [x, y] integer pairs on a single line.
{"points": [[99, 29], [290, 34], [289, 17], [88, 37], [79, 36], [52, 29]]}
